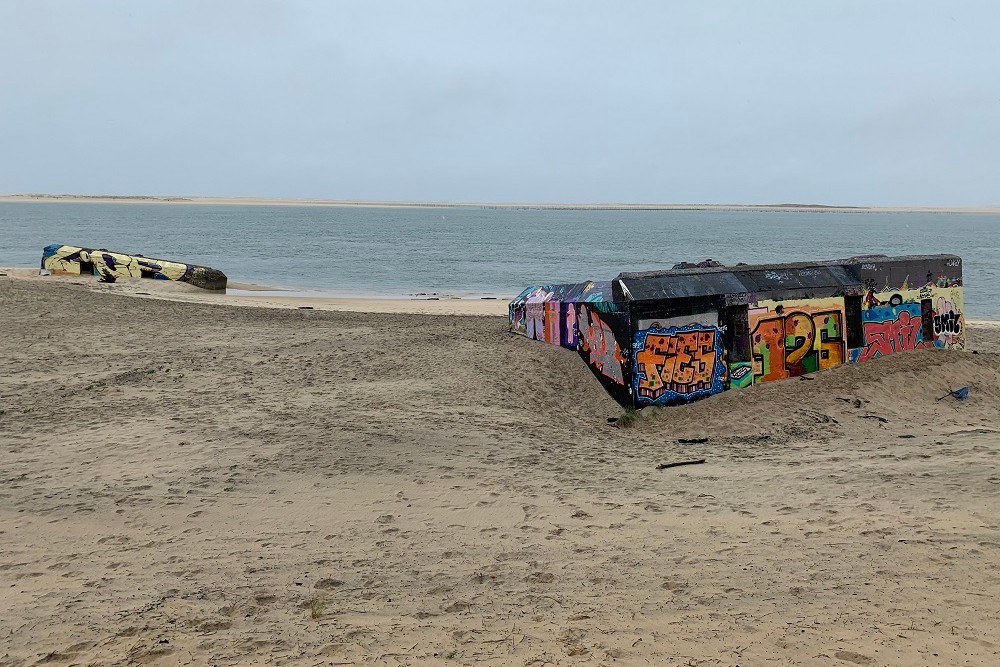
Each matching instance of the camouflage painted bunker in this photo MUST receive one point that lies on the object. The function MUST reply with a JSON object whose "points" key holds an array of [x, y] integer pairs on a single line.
{"points": [[669, 337], [72, 260]]}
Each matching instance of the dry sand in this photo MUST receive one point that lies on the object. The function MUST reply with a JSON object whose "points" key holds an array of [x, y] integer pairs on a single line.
{"points": [[186, 483]]}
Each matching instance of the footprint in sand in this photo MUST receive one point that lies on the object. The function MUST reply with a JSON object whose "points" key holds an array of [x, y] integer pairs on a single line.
{"points": [[856, 658]]}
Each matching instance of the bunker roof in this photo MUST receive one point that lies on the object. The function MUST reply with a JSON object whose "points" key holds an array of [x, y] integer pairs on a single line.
{"points": [[718, 280]]}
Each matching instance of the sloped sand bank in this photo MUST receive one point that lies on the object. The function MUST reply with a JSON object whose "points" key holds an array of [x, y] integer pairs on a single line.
{"points": [[191, 484]]}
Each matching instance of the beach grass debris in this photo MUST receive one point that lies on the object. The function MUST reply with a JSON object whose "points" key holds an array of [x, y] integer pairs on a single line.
{"points": [[628, 418], [317, 607]]}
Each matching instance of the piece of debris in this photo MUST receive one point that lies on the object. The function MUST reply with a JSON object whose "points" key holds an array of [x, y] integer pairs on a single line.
{"points": [[305, 307], [881, 419], [691, 441], [661, 466], [856, 402], [962, 394]]}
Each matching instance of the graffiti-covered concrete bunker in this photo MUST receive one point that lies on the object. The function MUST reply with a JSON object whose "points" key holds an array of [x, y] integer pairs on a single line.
{"points": [[668, 337], [73, 260]]}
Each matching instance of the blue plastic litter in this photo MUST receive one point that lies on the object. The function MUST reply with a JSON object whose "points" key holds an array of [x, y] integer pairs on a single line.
{"points": [[962, 394]]}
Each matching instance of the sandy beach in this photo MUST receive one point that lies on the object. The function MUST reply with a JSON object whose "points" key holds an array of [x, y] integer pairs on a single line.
{"points": [[189, 481], [261, 296]]}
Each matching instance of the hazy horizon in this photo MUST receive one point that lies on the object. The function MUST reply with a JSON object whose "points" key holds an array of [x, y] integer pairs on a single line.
{"points": [[376, 203], [720, 103]]}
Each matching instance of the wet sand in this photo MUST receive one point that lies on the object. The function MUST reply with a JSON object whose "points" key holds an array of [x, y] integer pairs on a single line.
{"points": [[263, 296], [192, 483]]}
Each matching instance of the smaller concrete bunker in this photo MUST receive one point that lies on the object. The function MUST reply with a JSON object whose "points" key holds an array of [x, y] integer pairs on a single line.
{"points": [[670, 337], [73, 260]]}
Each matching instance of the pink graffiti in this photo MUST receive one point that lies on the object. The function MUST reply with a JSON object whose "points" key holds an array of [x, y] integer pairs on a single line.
{"points": [[597, 339], [894, 336]]}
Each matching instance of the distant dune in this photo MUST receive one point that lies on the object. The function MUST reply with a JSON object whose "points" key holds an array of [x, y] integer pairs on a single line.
{"points": [[256, 201]]}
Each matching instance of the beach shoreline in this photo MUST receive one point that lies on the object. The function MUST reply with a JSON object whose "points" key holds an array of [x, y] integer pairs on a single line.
{"points": [[263, 296]]}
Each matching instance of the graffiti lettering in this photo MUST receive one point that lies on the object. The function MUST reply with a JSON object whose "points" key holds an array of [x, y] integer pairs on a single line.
{"points": [[947, 319], [947, 324], [597, 339], [797, 343], [902, 333], [678, 363]]}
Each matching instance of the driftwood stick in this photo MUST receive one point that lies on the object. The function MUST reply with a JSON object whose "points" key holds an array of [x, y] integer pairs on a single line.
{"points": [[679, 463]]}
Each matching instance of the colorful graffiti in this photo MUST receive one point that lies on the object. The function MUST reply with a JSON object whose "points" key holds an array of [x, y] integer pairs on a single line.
{"points": [[548, 312], [535, 316], [72, 260], [796, 337], [517, 312], [949, 325], [598, 342], [740, 375], [677, 364], [890, 329], [913, 319], [660, 338]]}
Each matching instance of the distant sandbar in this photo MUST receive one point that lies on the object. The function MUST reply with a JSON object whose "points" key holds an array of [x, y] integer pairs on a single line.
{"points": [[255, 201]]}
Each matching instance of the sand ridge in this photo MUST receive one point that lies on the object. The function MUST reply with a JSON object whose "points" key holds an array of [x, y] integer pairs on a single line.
{"points": [[186, 483], [610, 206]]}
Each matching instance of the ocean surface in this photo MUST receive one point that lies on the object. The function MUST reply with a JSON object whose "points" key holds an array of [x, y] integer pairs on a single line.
{"points": [[485, 251]]}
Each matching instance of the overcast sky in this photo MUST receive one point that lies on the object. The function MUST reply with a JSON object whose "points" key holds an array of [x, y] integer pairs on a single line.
{"points": [[868, 103]]}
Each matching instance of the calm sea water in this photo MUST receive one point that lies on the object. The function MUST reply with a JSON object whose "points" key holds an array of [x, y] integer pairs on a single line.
{"points": [[486, 251]]}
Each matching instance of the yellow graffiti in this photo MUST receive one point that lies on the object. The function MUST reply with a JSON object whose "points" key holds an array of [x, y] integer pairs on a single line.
{"points": [[70, 260], [795, 337]]}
